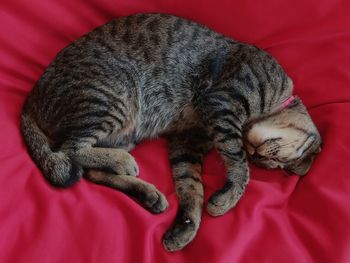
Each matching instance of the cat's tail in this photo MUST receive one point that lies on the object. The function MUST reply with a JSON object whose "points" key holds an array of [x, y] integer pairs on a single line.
{"points": [[57, 167]]}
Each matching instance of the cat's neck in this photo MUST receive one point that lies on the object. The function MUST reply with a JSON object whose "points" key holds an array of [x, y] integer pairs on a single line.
{"points": [[271, 101], [282, 100]]}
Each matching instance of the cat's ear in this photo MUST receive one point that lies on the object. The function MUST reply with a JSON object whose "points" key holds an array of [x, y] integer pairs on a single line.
{"points": [[303, 167]]}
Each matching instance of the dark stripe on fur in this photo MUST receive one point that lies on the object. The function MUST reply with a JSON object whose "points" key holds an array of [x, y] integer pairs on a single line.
{"points": [[227, 187], [222, 130], [235, 96], [229, 137], [232, 123], [187, 176], [232, 155], [247, 81], [224, 113], [185, 158], [261, 89], [100, 114]]}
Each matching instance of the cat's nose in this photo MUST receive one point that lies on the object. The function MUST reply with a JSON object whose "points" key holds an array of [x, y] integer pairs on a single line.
{"points": [[257, 157]]}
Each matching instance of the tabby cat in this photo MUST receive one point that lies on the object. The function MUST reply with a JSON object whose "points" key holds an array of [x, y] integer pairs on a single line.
{"points": [[147, 75]]}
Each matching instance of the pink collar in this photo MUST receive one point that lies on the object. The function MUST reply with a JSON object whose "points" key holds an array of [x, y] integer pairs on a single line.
{"points": [[286, 102]]}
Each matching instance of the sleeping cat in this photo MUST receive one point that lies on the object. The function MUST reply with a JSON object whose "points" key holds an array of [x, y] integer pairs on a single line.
{"points": [[147, 75]]}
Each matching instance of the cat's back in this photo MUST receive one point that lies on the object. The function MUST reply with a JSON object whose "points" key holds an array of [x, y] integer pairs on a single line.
{"points": [[147, 39], [137, 52], [150, 46]]}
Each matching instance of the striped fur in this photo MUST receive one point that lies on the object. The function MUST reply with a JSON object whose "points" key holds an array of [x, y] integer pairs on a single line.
{"points": [[148, 75]]}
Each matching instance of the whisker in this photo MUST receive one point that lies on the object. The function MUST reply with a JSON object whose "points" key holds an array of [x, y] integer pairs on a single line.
{"points": [[286, 144]]}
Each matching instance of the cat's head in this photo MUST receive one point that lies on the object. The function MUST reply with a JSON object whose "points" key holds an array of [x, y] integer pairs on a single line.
{"points": [[287, 139]]}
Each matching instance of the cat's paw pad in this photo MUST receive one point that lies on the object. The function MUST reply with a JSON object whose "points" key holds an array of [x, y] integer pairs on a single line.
{"points": [[154, 201], [179, 235], [222, 201], [126, 165]]}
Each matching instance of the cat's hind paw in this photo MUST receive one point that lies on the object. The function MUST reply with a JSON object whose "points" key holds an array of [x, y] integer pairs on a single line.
{"points": [[125, 164], [154, 201]]}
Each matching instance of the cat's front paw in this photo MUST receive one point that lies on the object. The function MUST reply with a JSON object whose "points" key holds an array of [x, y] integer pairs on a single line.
{"points": [[224, 199], [179, 235]]}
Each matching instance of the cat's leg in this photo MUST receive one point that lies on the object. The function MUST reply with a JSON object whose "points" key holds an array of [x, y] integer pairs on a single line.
{"points": [[101, 151], [237, 178], [120, 141], [228, 142], [225, 112], [113, 160], [145, 193], [186, 153], [115, 167]]}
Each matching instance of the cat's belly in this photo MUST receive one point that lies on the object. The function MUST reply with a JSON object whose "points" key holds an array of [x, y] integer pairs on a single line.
{"points": [[148, 128], [160, 124], [188, 118]]}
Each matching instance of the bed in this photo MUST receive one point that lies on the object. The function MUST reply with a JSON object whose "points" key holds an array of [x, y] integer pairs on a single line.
{"points": [[279, 219]]}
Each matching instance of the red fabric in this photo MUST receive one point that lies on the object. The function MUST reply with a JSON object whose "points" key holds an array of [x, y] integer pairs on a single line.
{"points": [[279, 219]]}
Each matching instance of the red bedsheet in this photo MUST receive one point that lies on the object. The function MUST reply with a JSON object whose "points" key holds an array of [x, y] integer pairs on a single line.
{"points": [[279, 219]]}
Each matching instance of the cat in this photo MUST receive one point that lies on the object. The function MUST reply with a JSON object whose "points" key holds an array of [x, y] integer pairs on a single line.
{"points": [[147, 75]]}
